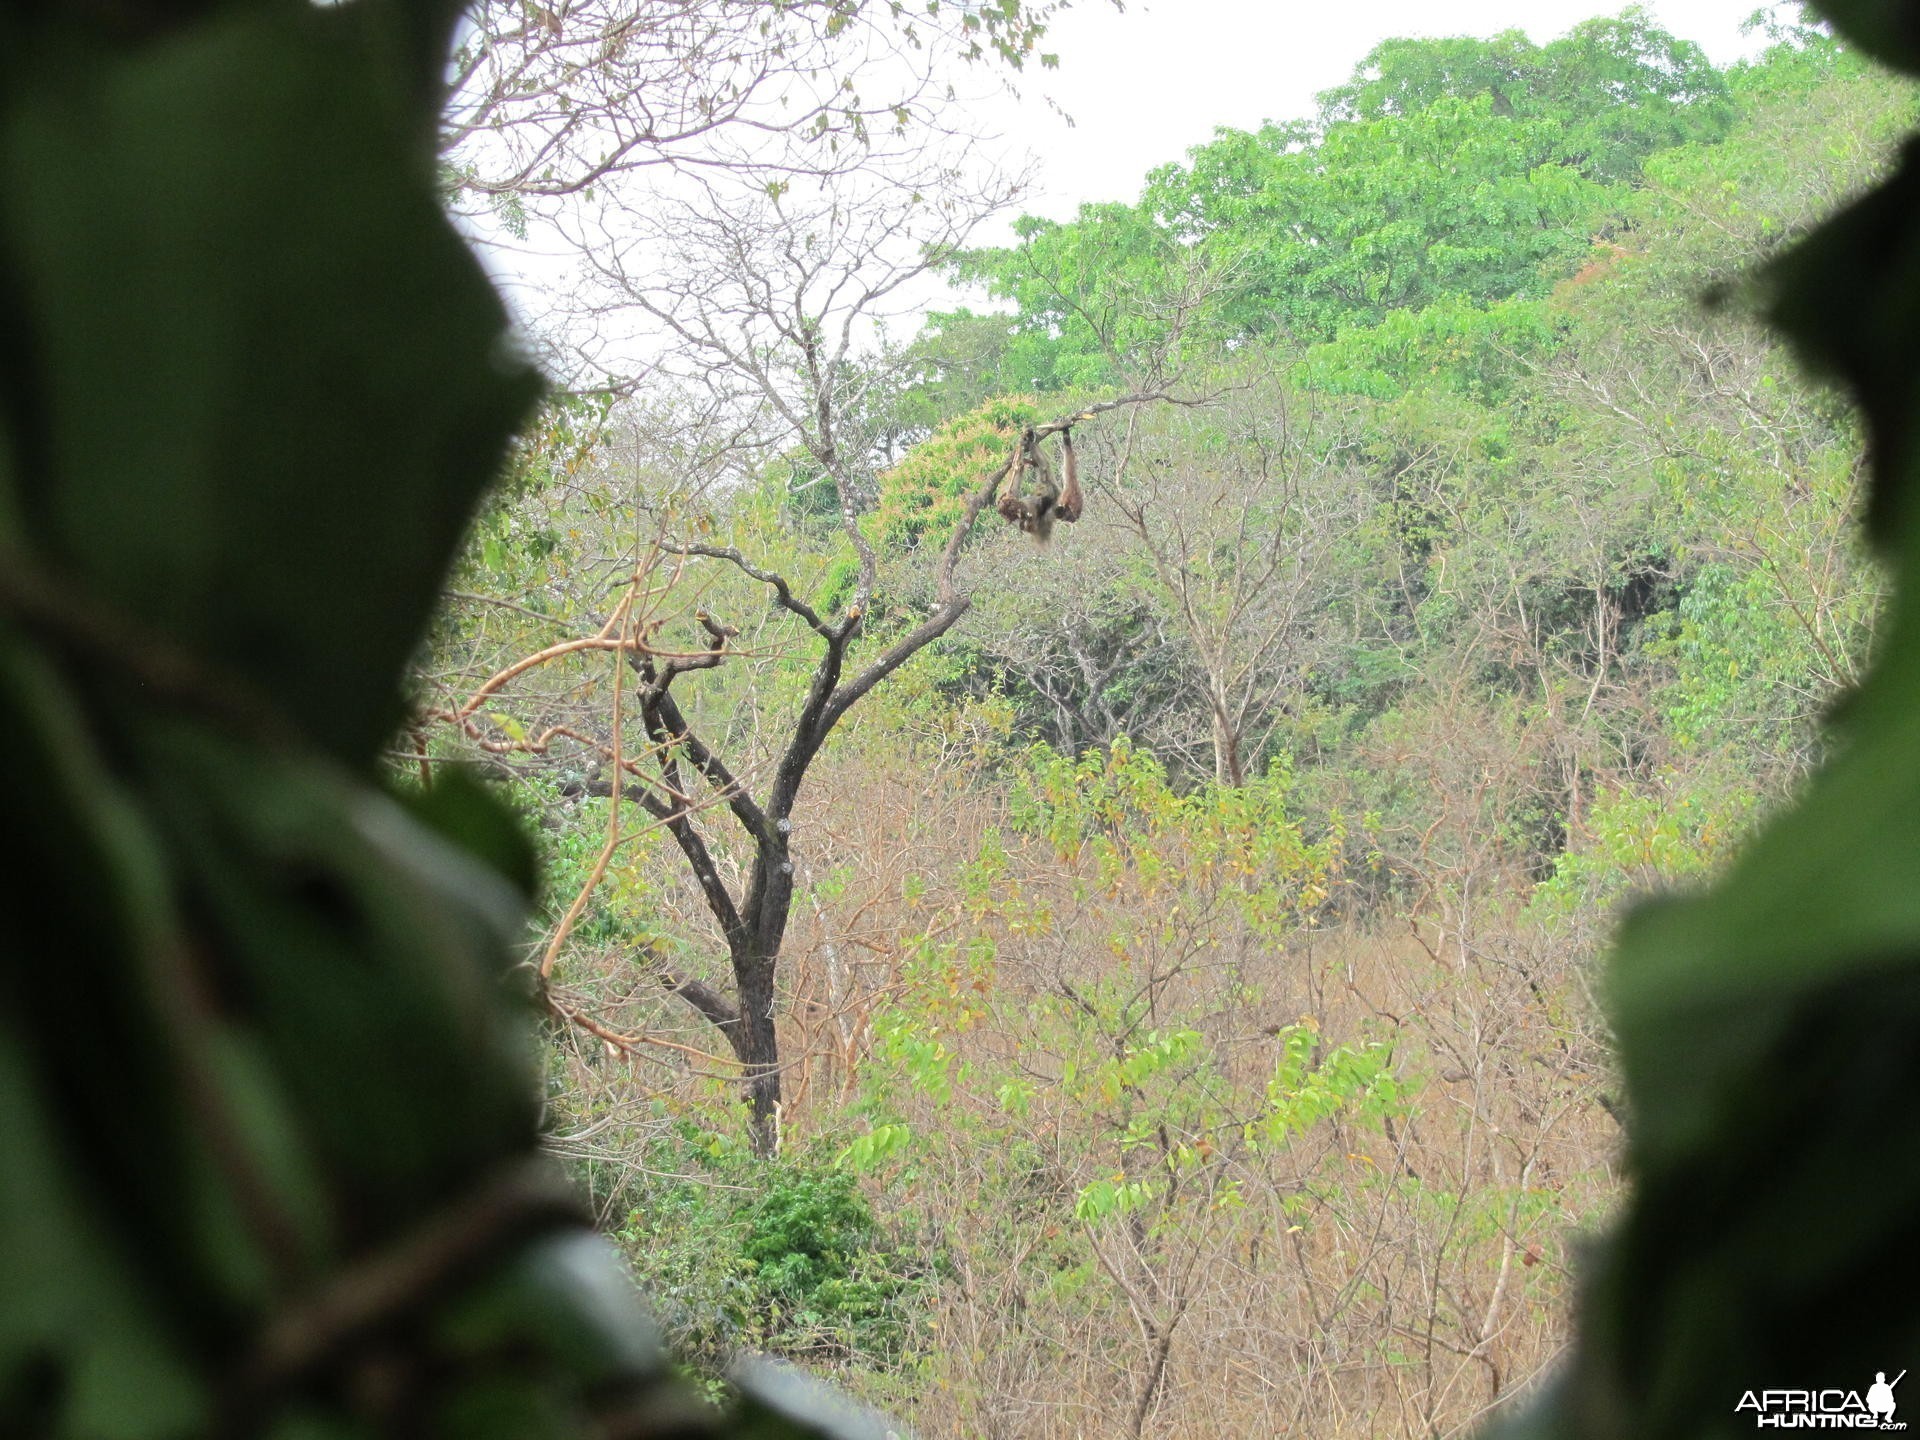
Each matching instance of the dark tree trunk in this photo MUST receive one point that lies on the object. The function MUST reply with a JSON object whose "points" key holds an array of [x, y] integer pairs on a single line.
{"points": [[757, 1045]]}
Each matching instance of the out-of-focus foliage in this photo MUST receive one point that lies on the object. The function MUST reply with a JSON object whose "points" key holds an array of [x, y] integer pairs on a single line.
{"points": [[1764, 1027], [267, 1126]]}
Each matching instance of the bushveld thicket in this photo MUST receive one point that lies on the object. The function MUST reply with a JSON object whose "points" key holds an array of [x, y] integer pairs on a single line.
{"points": [[1187, 1018]]}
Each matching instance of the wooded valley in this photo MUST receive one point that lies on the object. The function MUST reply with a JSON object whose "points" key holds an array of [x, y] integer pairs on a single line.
{"points": [[1145, 983]]}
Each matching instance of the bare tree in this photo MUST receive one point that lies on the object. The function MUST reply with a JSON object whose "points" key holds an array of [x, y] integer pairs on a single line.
{"points": [[765, 312], [771, 294], [550, 100], [1098, 655], [1244, 511]]}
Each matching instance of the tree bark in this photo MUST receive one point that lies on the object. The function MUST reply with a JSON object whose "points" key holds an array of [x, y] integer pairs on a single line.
{"points": [[1228, 768], [757, 1044]]}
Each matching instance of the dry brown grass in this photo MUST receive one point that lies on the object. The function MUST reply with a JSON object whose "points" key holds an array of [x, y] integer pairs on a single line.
{"points": [[1358, 1280]]}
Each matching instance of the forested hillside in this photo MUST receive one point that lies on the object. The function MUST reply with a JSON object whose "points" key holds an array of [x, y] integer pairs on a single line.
{"points": [[1158, 964]]}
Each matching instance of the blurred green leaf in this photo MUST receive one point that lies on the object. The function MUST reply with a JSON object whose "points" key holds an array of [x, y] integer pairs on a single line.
{"points": [[271, 380]]}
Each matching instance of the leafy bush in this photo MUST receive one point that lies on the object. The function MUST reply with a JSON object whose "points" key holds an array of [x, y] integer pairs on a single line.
{"points": [[822, 1271], [785, 1257]]}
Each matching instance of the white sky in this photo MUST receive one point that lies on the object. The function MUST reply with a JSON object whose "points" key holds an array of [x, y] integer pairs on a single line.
{"points": [[1147, 86]]}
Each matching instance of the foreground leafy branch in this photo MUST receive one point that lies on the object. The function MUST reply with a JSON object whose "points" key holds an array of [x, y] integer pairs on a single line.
{"points": [[268, 1138], [1766, 1028]]}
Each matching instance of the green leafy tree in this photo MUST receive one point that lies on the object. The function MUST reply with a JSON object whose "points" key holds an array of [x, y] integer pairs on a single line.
{"points": [[1376, 215], [1112, 298], [1616, 89]]}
